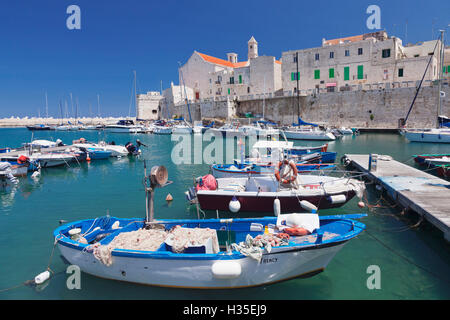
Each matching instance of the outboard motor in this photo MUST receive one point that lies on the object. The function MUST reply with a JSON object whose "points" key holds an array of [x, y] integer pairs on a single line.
{"points": [[131, 148]]}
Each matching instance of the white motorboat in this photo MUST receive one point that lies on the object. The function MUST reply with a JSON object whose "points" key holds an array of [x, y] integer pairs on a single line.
{"points": [[308, 133], [116, 150], [124, 126], [437, 135], [162, 129], [182, 129], [189, 253], [260, 128]]}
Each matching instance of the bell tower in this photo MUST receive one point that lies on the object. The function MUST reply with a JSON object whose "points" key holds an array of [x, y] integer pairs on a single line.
{"points": [[252, 48]]}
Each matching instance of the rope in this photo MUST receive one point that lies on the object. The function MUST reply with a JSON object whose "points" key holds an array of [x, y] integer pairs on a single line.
{"points": [[405, 258]]}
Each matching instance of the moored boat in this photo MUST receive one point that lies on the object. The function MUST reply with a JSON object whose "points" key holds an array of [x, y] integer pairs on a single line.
{"points": [[258, 193], [219, 253]]}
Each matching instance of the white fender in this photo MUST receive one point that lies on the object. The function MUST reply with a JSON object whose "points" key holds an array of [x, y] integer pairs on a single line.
{"points": [[226, 269], [234, 205], [276, 207], [308, 206], [340, 198]]}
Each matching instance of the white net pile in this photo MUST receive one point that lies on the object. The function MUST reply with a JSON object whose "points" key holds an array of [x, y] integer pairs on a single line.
{"points": [[150, 240], [183, 238]]}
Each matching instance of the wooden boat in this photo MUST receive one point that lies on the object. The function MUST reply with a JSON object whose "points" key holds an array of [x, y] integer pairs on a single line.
{"points": [[258, 193], [217, 253]]}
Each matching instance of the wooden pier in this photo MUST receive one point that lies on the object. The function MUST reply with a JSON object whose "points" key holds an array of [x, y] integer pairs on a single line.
{"points": [[414, 189]]}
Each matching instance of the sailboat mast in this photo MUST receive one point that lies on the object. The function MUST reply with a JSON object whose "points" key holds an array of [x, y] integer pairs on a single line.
{"points": [[46, 105], [135, 95], [440, 74], [98, 105]]}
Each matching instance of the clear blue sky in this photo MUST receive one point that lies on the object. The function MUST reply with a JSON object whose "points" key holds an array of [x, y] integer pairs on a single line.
{"points": [[38, 53]]}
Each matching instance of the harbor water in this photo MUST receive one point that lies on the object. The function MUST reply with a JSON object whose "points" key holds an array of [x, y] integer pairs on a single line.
{"points": [[413, 262]]}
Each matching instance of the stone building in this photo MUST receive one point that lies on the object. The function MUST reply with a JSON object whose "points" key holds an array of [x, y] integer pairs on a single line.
{"points": [[212, 77], [148, 106], [346, 63]]}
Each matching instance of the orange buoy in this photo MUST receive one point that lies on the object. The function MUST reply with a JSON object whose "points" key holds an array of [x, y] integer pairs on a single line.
{"points": [[361, 204], [169, 197]]}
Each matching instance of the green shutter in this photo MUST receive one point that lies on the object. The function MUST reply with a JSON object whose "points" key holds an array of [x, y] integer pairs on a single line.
{"points": [[316, 74], [360, 72], [298, 75], [292, 76], [331, 73], [346, 73], [240, 78]]}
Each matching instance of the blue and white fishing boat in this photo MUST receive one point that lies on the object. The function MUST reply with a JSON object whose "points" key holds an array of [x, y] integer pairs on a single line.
{"points": [[241, 170], [204, 253]]}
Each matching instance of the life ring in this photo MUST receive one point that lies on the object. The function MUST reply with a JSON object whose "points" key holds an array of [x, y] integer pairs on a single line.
{"points": [[277, 172], [296, 231]]}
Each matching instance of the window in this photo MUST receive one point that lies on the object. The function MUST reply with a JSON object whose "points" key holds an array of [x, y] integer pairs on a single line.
{"points": [[331, 73], [400, 72], [347, 53], [231, 80], [386, 53], [317, 57], [295, 76], [331, 55], [295, 58], [360, 72], [316, 74], [360, 51], [346, 73], [240, 78], [248, 89]]}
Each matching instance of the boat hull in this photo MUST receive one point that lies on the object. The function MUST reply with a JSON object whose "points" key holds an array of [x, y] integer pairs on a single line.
{"points": [[427, 137], [196, 272], [263, 201], [219, 171], [313, 135]]}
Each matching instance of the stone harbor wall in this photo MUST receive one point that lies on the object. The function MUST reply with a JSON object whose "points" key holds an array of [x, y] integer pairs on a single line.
{"points": [[380, 108]]}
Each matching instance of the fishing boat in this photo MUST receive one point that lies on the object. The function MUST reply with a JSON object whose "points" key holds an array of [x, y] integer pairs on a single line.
{"points": [[257, 193], [263, 152], [424, 159], [218, 253], [439, 135], [182, 128], [242, 170], [17, 169], [345, 130]]}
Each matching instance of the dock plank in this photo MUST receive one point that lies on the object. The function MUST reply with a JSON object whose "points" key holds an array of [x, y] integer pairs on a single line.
{"points": [[420, 191]]}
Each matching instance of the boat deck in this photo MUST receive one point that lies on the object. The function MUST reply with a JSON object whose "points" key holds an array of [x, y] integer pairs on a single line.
{"points": [[36, 150], [412, 188]]}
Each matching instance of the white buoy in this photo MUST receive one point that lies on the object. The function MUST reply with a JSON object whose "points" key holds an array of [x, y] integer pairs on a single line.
{"points": [[234, 205], [308, 206], [276, 207], [42, 277]]}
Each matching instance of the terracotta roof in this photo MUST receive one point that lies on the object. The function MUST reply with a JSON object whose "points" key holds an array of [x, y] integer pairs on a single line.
{"points": [[225, 63], [347, 39]]}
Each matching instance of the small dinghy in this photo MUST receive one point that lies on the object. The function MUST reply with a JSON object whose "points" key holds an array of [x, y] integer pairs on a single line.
{"points": [[257, 193], [204, 253], [425, 159]]}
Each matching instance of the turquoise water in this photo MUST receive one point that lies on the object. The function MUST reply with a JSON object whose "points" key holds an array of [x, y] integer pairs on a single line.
{"points": [[30, 213]]}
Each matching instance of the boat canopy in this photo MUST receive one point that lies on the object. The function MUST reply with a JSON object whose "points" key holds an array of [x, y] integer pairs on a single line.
{"points": [[125, 122], [303, 123]]}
